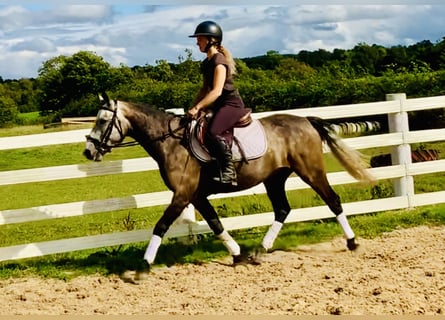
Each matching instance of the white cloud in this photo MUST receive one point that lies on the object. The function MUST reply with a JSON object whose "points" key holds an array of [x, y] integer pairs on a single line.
{"points": [[138, 35], [20, 63], [81, 12], [12, 18], [38, 45]]}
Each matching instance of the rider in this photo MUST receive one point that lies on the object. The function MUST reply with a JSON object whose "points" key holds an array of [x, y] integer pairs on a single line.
{"points": [[219, 94]]}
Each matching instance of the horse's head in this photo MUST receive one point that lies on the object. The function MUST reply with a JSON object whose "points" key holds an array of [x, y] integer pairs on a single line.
{"points": [[109, 130]]}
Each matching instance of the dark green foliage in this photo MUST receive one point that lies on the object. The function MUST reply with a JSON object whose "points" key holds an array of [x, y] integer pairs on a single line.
{"points": [[67, 83], [8, 111]]}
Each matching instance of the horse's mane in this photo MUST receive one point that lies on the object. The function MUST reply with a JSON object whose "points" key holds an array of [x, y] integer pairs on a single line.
{"points": [[147, 109], [143, 107]]}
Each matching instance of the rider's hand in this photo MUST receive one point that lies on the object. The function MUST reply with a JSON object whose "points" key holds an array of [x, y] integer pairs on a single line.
{"points": [[193, 113]]}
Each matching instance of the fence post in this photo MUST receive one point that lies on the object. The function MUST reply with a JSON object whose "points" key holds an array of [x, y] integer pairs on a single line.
{"points": [[401, 154]]}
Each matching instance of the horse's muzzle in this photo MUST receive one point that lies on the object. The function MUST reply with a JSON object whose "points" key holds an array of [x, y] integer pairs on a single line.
{"points": [[87, 154], [91, 153]]}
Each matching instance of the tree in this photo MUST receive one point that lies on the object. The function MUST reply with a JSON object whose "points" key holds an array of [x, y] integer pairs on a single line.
{"points": [[27, 101], [187, 69], [163, 71], [53, 96], [367, 58], [291, 68], [8, 111], [439, 55], [67, 80], [265, 62], [315, 58], [86, 72], [422, 51], [396, 59]]}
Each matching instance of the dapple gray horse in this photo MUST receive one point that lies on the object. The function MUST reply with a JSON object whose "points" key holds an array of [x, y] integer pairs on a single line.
{"points": [[294, 146]]}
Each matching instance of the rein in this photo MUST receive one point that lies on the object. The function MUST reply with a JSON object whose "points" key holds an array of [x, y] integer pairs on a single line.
{"points": [[172, 132]]}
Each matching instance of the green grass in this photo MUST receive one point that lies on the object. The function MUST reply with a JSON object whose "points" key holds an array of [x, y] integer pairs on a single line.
{"points": [[58, 155], [38, 129], [107, 260], [51, 192], [29, 117]]}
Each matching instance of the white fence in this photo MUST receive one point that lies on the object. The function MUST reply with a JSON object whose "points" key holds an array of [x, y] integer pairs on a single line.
{"points": [[402, 172]]}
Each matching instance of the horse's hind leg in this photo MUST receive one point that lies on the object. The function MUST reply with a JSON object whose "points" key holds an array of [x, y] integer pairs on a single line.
{"points": [[275, 187], [333, 201], [314, 174]]}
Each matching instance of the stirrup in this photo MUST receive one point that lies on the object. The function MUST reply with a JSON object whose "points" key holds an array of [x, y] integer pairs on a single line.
{"points": [[218, 178], [232, 182]]}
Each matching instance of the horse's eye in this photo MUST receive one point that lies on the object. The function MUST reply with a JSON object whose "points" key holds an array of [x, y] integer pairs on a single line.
{"points": [[102, 122]]}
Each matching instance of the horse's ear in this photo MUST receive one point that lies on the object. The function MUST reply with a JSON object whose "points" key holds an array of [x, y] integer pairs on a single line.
{"points": [[103, 98]]}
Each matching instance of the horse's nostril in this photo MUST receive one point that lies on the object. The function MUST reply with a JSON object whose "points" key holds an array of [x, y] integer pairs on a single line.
{"points": [[87, 154]]}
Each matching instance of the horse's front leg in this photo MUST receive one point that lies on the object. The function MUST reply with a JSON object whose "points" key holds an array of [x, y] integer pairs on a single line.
{"points": [[170, 215], [209, 214]]}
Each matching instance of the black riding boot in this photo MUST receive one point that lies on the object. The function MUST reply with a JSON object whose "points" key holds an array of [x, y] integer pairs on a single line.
{"points": [[224, 157]]}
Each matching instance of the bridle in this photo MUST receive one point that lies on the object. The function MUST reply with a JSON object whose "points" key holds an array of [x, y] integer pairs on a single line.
{"points": [[103, 147]]}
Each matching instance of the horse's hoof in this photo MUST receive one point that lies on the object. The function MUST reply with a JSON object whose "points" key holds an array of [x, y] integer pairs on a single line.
{"points": [[258, 255], [240, 259], [256, 258], [243, 259], [142, 272], [136, 276], [141, 275], [350, 243]]}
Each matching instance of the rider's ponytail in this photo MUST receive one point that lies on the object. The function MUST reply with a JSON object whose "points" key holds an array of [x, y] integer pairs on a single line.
{"points": [[230, 61]]}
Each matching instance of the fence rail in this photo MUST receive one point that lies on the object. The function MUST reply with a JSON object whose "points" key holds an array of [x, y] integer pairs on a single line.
{"points": [[401, 172]]}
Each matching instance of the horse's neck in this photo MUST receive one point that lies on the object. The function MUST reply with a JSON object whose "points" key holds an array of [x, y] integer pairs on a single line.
{"points": [[144, 124], [148, 128]]}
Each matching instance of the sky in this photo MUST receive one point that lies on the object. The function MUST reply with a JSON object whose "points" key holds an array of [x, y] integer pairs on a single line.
{"points": [[138, 34]]}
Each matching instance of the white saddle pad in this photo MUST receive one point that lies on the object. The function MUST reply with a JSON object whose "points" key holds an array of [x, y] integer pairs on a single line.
{"points": [[252, 140]]}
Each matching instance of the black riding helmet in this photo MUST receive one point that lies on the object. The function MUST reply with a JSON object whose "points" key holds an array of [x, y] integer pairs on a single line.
{"points": [[211, 30]]}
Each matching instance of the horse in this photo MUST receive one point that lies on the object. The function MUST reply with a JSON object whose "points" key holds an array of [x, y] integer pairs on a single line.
{"points": [[294, 145]]}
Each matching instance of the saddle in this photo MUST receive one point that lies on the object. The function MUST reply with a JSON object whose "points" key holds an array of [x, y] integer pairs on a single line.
{"points": [[249, 139]]}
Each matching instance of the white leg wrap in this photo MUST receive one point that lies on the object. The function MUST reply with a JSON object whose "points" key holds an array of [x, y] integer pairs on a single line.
{"points": [[152, 249], [341, 218], [230, 243], [271, 235]]}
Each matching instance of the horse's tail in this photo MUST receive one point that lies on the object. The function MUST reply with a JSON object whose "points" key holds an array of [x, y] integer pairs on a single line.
{"points": [[352, 160]]}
